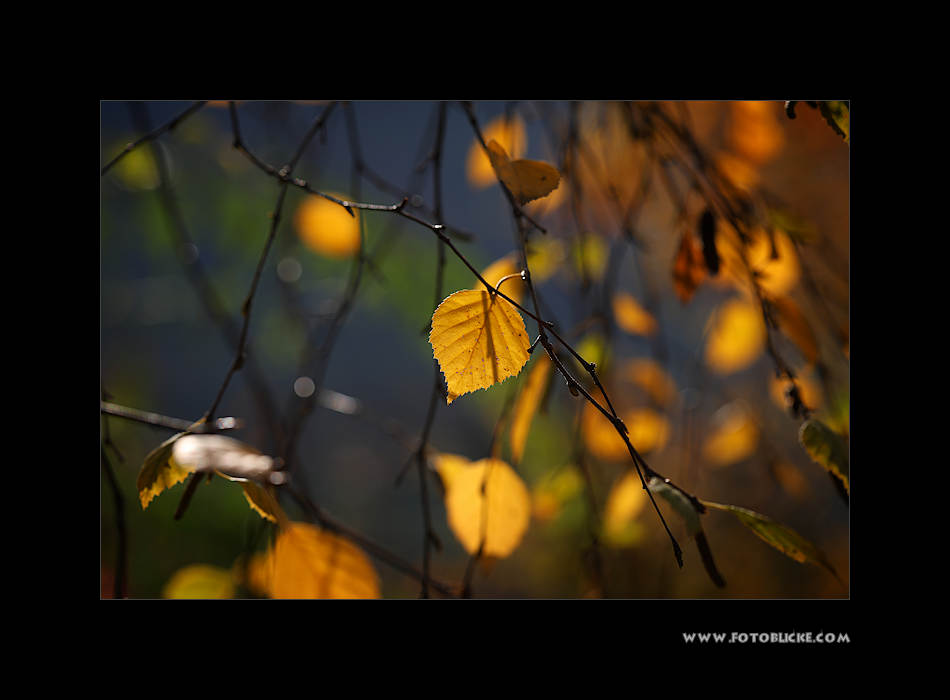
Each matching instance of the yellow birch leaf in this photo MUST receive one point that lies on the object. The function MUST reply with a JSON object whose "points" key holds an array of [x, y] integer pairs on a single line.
{"points": [[527, 405], [527, 180], [626, 499], [488, 501], [793, 323], [159, 471], [736, 337], [263, 502], [631, 316], [200, 581], [327, 228], [510, 133], [734, 436], [652, 378], [307, 562], [478, 340], [504, 267]]}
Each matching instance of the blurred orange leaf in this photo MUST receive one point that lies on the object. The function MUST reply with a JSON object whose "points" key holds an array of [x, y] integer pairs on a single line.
{"points": [[652, 378], [689, 270], [327, 228], [307, 562], [736, 336], [647, 431], [632, 317], [509, 133], [793, 323], [734, 436], [626, 499], [478, 340], [485, 501], [527, 180]]}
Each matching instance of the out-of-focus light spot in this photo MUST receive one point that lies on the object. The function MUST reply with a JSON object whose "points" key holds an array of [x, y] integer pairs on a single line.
{"points": [[289, 270], [327, 228], [736, 337], [734, 435], [137, 170], [304, 387]]}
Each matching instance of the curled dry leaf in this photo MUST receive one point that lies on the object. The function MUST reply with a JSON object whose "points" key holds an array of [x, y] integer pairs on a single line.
{"points": [[689, 270], [159, 471], [527, 180], [478, 340]]}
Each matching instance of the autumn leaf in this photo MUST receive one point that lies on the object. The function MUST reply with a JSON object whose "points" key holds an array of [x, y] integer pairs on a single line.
{"points": [[793, 323], [681, 504], [652, 378], [307, 562], [736, 337], [827, 448], [485, 501], [263, 502], [505, 267], [327, 228], [551, 493], [526, 405], [734, 436], [200, 582], [632, 317], [527, 180], [808, 390], [478, 340], [626, 499], [838, 115], [509, 133], [647, 430], [783, 538], [689, 269], [159, 471]]}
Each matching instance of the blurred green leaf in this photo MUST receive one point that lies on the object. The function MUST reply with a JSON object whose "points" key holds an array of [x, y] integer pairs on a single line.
{"points": [[837, 114], [680, 504], [827, 448]]}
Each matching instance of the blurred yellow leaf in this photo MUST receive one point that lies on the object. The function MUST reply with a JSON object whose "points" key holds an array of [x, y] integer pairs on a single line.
{"points": [[652, 378], [689, 270], [478, 340], [529, 398], [549, 495], [510, 134], [756, 133], [734, 436], [589, 252], [545, 256], [327, 228], [525, 179], [307, 562], [159, 471], [503, 267], [792, 322], [647, 431], [736, 336], [200, 581], [137, 170], [626, 499], [790, 478], [484, 500], [631, 316], [738, 170]]}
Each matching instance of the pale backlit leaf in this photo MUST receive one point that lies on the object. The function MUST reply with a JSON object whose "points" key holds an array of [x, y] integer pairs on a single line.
{"points": [[307, 562], [200, 582], [625, 501], [632, 317], [527, 180], [478, 340], [327, 228], [485, 501], [733, 436], [159, 471], [736, 337], [224, 455], [681, 504], [783, 538], [526, 405], [510, 134], [827, 448]]}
